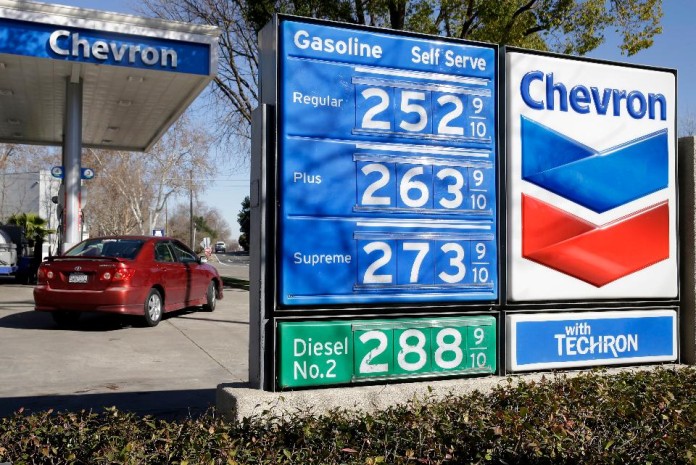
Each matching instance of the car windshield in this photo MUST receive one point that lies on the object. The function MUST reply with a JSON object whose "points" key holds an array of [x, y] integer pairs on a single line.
{"points": [[121, 248]]}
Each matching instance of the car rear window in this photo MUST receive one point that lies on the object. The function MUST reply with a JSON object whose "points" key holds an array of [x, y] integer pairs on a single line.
{"points": [[119, 248]]}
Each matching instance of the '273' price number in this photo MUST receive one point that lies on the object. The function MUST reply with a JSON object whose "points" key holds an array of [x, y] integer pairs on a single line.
{"points": [[411, 262]]}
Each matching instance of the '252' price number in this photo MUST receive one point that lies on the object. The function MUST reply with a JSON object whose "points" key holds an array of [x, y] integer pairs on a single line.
{"points": [[420, 350], [422, 112]]}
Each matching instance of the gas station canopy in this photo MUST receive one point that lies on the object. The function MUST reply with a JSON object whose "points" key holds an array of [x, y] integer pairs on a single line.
{"points": [[137, 74]]}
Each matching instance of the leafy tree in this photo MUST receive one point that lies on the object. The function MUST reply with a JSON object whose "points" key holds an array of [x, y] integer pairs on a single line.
{"points": [[567, 26], [244, 220], [203, 227]]}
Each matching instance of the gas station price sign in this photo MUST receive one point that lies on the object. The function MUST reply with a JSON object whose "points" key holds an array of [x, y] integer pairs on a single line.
{"points": [[343, 352], [386, 168]]}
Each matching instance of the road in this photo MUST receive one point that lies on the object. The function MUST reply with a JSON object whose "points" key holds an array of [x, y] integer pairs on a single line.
{"points": [[233, 265], [168, 371]]}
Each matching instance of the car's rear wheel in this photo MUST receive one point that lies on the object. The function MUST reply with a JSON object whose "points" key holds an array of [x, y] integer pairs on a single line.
{"points": [[65, 319], [210, 297], [153, 308]]}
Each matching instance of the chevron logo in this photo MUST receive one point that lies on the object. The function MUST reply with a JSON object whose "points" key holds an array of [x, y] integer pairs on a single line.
{"points": [[596, 180], [597, 255], [599, 181]]}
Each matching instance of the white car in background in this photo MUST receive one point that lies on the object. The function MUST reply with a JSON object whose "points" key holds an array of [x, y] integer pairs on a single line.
{"points": [[220, 247]]}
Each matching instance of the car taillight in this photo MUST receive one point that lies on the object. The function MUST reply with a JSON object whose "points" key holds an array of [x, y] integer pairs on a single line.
{"points": [[42, 275], [119, 274]]}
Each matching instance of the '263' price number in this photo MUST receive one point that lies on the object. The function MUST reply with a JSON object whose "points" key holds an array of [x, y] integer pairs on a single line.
{"points": [[389, 352], [411, 262], [399, 185], [422, 112]]}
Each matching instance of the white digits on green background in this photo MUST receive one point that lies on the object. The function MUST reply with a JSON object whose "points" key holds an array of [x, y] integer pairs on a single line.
{"points": [[412, 354], [407, 349], [365, 365], [443, 347]]}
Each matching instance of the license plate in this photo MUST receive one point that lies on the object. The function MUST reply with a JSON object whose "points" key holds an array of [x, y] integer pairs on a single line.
{"points": [[79, 278]]}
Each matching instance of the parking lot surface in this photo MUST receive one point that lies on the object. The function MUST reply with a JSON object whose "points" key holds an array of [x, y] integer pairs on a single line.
{"points": [[169, 371]]}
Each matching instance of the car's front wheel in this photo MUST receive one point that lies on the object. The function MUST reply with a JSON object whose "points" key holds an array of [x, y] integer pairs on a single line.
{"points": [[153, 308], [210, 297]]}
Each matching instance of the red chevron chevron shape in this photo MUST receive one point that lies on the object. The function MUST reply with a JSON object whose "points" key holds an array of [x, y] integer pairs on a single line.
{"points": [[595, 254]]}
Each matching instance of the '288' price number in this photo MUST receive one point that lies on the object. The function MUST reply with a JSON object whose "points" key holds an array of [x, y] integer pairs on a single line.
{"points": [[385, 352]]}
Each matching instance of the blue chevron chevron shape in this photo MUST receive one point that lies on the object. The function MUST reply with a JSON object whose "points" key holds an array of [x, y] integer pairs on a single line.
{"points": [[596, 180]]}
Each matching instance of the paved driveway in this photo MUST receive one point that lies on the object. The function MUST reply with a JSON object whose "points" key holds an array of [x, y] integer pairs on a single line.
{"points": [[169, 371]]}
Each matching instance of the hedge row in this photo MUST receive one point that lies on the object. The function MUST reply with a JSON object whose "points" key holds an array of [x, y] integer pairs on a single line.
{"points": [[647, 417]]}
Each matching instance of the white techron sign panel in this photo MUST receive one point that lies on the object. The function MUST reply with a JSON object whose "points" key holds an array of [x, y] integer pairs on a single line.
{"points": [[590, 180]]}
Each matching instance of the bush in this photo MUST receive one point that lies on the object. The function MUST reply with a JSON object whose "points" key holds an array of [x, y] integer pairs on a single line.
{"points": [[644, 417]]}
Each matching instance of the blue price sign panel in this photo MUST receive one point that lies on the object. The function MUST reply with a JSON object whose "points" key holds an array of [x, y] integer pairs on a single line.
{"points": [[387, 168], [545, 341]]}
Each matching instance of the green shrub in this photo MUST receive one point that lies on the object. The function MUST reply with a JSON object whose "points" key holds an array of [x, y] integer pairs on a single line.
{"points": [[647, 417]]}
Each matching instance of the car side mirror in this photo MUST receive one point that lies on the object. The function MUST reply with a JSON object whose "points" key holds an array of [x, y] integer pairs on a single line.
{"points": [[202, 259]]}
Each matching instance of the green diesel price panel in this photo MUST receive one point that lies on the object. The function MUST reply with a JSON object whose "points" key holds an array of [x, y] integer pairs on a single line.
{"points": [[343, 352]]}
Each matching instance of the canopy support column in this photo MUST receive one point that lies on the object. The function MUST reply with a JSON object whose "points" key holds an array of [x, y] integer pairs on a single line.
{"points": [[72, 161]]}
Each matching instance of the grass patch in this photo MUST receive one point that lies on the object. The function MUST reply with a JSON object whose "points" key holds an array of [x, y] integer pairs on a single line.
{"points": [[648, 417]]}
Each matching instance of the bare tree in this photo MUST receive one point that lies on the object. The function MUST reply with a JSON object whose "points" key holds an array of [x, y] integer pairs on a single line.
{"points": [[6, 150], [236, 82], [130, 190], [116, 200], [16, 163], [16, 158], [687, 124]]}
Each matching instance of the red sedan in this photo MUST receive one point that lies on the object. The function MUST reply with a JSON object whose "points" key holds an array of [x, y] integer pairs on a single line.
{"points": [[131, 275]]}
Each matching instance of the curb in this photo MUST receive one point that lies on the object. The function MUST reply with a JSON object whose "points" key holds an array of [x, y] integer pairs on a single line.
{"points": [[236, 402]]}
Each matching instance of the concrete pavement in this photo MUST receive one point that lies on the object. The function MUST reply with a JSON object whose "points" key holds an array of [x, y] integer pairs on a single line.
{"points": [[169, 371]]}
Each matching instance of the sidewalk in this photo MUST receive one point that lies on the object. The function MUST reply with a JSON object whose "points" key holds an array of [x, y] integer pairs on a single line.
{"points": [[170, 370]]}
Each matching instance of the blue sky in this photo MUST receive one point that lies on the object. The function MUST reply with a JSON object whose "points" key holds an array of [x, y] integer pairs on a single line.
{"points": [[671, 50]]}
